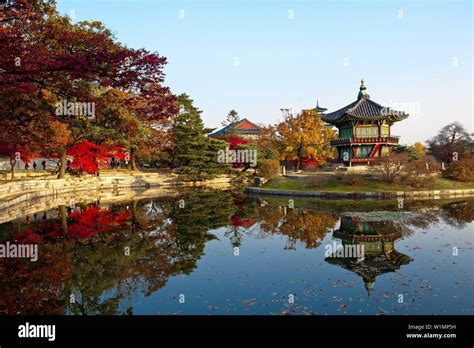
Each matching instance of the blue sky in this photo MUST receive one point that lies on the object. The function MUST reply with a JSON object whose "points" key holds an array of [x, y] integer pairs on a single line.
{"points": [[260, 56]]}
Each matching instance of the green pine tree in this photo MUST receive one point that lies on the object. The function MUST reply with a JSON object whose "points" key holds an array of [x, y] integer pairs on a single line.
{"points": [[196, 154], [232, 117]]}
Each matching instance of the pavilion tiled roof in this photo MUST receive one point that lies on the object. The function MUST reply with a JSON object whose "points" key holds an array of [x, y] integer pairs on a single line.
{"points": [[364, 109]]}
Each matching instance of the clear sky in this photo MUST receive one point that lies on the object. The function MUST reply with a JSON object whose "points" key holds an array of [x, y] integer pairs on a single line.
{"points": [[260, 56]]}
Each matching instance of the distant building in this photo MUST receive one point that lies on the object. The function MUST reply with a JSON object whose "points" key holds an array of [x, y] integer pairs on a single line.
{"points": [[319, 109], [363, 129], [243, 129], [320, 113]]}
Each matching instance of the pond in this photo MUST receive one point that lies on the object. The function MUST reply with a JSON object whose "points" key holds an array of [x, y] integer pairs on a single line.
{"points": [[225, 253]]}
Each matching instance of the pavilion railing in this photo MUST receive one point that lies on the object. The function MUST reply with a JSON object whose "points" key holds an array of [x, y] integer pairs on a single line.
{"points": [[366, 140]]}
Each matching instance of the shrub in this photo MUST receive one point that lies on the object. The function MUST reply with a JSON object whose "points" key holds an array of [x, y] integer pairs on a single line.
{"points": [[433, 165], [462, 170], [268, 168], [390, 167], [419, 173]]}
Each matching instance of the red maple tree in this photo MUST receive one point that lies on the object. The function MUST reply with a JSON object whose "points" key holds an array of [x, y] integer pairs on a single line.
{"points": [[88, 157], [234, 142]]}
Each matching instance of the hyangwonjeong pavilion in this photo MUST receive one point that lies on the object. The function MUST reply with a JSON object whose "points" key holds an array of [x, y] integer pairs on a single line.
{"points": [[364, 129]]}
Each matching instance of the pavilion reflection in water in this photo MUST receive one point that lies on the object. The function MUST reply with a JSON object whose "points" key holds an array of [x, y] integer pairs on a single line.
{"points": [[378, 241]]}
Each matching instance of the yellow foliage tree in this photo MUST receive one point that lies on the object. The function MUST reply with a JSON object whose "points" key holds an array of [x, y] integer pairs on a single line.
{"points": [[304, 137], [307, 226], [420, 149]]}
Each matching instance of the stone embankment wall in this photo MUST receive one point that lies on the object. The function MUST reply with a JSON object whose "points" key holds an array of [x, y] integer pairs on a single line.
{"points": [[12, 193], [433, 194]]}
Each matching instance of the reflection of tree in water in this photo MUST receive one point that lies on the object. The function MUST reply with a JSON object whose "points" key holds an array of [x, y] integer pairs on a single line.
{"points": [[203, 211], [243, 218], [35, 287], [458, 214], [83, 252], [93, 242], [168, 242], [307, 226]]}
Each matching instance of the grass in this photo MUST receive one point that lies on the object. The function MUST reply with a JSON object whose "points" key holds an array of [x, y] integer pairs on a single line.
{"points": [[366, 184]]}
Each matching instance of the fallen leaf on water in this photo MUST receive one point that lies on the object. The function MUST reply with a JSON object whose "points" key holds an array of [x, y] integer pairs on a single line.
{"points": [[249, 302]]}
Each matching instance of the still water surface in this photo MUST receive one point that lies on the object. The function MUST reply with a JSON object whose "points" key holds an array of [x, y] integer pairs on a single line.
{"points": [[219, 252]]}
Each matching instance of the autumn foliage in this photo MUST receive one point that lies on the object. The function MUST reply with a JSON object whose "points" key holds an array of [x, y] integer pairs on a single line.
{"points": [[88, 157], [95, 220], [462, 170], [304, 139], [46, 59]]}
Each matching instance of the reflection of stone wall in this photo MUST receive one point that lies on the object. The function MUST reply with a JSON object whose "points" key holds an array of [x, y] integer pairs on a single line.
{"points": [[24, 194], [36, 203]]}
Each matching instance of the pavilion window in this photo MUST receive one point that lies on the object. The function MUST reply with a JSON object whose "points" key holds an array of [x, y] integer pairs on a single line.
{"points": [[364, 151], [345, 133], [364, 132]]}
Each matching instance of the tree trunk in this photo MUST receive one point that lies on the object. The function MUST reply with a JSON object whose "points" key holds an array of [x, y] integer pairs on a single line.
{"points": [[297, 166], [63, 214], [62, 164], [12, 164], [133, 165], [134, 215]]}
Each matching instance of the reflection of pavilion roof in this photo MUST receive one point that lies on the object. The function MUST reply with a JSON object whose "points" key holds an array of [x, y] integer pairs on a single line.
{"points": [[356, 231], [370, 268]]}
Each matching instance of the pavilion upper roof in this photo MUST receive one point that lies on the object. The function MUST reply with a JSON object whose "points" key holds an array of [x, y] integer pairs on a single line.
{"points": [[364, 109]]}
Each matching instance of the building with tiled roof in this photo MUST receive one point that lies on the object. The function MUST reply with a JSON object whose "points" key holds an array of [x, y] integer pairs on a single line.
{"points": [[364, 128], [243, 129], [319, 109], [320, 113]]}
